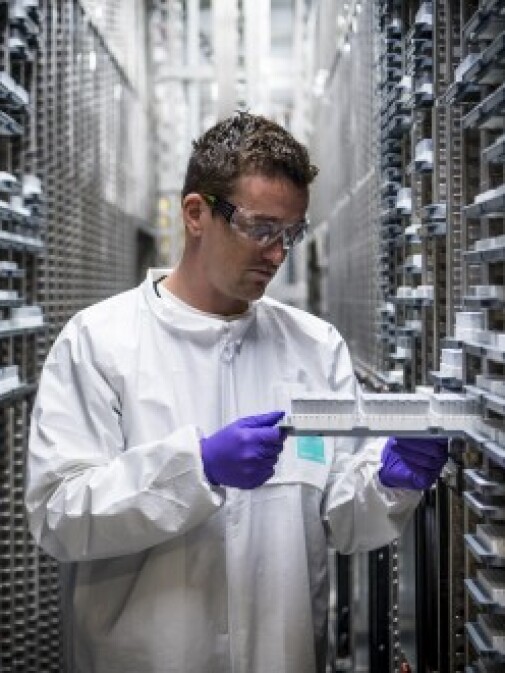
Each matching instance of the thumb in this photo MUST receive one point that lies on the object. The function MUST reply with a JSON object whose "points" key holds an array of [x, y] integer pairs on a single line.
{"points": [[262, 420]]}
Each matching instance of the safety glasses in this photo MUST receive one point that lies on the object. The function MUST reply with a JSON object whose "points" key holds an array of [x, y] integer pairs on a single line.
{"points": [[258, 228]]}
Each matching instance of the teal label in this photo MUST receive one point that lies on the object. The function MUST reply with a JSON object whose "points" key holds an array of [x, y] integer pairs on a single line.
{"points": [[310, 448]]}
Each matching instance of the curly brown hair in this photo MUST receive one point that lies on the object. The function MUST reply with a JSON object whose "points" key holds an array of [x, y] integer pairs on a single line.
{"points": [[245, 144]]}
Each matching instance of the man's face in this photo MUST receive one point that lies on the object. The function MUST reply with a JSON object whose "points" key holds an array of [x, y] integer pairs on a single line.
{"points": [[237, 268]]}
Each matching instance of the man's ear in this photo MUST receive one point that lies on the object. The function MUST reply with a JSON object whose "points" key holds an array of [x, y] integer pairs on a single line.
{"points": [[194, 208]]}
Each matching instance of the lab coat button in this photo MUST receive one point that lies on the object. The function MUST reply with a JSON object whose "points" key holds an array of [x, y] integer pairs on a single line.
{"points": [[228, 351]]}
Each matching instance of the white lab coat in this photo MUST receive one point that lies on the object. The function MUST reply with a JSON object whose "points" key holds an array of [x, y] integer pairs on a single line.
{"points": [[170, 574]]}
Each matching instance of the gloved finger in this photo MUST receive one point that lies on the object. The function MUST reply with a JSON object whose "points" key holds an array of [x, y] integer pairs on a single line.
{"points": [[269, 451], [427, 462], [423, 479], [262, 420], [258, 477], [405, 446], [439, 440], [423, 443], [421, 460], [273, 436], [284, 432], [269, 463]]}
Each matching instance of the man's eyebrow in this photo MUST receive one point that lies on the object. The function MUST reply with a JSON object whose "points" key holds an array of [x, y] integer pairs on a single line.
{"points": [[264, 216]]}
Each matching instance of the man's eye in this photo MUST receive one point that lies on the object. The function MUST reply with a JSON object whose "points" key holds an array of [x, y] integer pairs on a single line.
{"points": [[261, 231], [247, 223]]}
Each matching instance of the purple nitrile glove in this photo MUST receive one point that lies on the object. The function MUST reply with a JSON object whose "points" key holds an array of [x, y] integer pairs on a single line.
{"points": [[243, 454], [413, 463]]}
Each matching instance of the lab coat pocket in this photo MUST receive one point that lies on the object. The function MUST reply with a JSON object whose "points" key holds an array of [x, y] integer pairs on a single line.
{"points": [[304, 460]]}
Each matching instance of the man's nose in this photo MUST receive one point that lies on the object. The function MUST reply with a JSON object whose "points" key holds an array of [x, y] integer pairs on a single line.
{"points": [[275, 252]]}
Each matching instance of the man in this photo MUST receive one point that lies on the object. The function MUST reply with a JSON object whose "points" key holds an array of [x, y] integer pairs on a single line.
{"points": [[198, 533]]}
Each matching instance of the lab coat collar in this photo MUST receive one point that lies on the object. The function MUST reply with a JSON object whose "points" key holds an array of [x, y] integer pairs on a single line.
{"points": [[181, 318]]}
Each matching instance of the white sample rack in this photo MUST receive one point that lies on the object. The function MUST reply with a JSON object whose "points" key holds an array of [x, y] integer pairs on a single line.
{"points": [[382, 414]]}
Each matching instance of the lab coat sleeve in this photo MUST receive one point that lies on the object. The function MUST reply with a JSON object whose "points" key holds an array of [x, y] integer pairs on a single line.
{"points": [[360, 512], [86, 496]]}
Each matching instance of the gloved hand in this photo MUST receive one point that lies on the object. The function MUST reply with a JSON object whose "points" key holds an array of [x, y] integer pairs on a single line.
{"points": [[413, 463], [243, 454]]}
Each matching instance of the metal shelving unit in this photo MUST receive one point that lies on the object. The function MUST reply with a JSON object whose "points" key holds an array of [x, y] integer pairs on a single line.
{"points": [[438, 222], [73, 115]]}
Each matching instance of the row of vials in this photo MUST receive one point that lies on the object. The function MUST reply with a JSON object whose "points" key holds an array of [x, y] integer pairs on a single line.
{"points": [[383, 414]]}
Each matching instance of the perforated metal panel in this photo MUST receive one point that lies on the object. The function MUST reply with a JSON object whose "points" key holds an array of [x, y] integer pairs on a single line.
{"points": [[76, 143], [345, 192]]}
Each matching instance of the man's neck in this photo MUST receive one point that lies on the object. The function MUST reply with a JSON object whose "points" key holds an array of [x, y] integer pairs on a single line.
{"points": [[186, 287]]}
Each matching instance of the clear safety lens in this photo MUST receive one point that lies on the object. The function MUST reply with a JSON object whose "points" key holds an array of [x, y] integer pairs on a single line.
{"points": [[266, 232]]}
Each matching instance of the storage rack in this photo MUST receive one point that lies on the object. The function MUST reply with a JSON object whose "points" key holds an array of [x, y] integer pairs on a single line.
{"points": [[394, 120], [481, 100], [447, 187], [73, 132], [439, 278]]}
